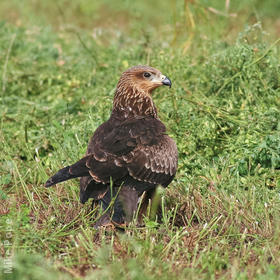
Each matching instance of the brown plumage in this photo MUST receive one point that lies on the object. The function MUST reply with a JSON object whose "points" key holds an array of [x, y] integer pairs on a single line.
{"points": [[131, 149]]}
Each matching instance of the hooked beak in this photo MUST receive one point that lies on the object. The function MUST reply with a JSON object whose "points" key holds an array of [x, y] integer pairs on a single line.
{"points": [[167, 82]]}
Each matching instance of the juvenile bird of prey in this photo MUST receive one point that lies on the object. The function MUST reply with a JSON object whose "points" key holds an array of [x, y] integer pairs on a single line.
{"points": [[128, 154]]}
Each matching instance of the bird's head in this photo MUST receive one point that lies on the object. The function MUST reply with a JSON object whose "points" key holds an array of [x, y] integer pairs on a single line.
{"points": [[132, 96], [143, 78]]}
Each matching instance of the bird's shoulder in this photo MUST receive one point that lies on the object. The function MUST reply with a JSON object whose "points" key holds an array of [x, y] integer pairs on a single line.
{"points": [[121, 136]]}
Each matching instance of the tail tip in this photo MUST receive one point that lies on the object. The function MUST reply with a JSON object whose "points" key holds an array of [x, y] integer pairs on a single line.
{"points": [[49, 183]]}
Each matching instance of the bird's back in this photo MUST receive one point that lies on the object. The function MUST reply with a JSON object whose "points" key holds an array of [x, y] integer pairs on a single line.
{"points": [[134, 149]]}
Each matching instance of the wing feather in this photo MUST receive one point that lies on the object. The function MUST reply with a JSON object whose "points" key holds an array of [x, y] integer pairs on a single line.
{"points": [[155, 164], [137, 147]]}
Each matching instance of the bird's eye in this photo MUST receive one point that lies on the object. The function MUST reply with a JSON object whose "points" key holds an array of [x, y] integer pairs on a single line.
{"points": [[147, 75]]}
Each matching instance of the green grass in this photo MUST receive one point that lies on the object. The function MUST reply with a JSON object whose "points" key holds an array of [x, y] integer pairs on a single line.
{"points": [[60, 62]]}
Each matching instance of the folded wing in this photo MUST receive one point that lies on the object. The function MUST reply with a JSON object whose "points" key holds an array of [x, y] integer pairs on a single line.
{"points": [[138, 148]]}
